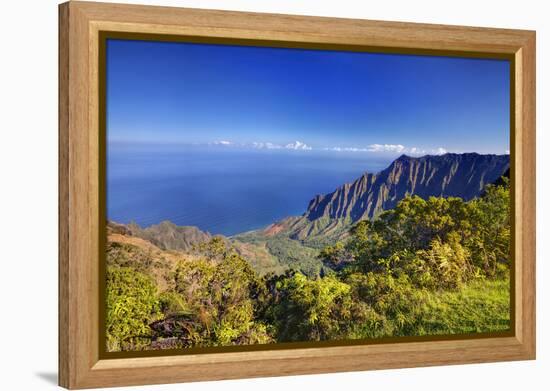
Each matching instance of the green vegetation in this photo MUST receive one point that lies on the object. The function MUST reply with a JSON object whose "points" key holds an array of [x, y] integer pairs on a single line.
{"points": [[426, 267], [132, 303], [288, 251], [481, 306]]}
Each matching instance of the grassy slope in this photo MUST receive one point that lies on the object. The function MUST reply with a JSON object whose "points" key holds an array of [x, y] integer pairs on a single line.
{"points": [[259, 256], [480, 306]]}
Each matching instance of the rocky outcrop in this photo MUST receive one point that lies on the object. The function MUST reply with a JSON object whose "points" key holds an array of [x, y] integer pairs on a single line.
{"points": [[456, 175]]}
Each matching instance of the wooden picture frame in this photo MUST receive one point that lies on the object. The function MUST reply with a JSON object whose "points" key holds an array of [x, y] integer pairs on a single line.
{"points": [[81, 364]]}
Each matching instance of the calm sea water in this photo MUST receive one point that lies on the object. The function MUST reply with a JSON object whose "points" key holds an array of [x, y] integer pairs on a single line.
{"points": [[223, 190]]}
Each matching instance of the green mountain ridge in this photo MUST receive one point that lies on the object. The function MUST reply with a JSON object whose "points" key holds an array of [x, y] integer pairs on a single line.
{"points": [[167, 235]]}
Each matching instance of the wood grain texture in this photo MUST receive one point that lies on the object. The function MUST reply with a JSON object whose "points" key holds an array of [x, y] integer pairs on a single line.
{"points": [[64, 354], [527, 165], [80, 23]]}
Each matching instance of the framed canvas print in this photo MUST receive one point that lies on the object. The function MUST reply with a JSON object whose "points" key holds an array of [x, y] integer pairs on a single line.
{"points": [[247, 195]]}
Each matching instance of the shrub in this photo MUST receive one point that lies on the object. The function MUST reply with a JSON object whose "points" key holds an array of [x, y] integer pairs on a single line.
{"points": [[131, 305]]}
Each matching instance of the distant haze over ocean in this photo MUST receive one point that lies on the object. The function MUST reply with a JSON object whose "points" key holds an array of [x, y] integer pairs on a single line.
{"points": [[224, 190]]}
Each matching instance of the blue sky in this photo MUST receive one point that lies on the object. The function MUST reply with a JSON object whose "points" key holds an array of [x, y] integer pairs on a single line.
{"points": [[273, 98]]}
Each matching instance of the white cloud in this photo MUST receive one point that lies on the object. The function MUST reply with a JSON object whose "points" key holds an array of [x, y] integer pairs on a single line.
{"points": [[221, 142], [298, 145], [372, 148], [347, 149], [507, 152], [386, 148], [390, 148], [416, 151], [262, 145]]}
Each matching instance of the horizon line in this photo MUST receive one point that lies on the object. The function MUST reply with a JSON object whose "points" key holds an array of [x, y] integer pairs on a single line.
{"points": [[299, 146]]}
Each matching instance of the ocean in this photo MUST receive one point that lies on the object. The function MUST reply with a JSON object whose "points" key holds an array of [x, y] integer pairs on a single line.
{"points": [[223, 190]]}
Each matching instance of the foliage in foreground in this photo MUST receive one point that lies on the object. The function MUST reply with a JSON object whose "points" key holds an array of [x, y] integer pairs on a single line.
{"points": [[132, 303], [435, 266]]}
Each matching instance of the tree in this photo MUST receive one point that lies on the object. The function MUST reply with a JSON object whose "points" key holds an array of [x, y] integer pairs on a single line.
{"points": [[216, 300], [490, 242], [132, 304], [443, 264], [436, 242], [311, 309]]}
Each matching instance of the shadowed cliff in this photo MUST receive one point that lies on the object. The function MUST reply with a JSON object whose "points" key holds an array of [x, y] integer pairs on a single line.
{"points": [[449, 175]]}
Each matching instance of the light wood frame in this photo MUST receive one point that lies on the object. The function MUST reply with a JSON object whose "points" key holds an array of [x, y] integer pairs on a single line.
{"points": [[80, 365]]}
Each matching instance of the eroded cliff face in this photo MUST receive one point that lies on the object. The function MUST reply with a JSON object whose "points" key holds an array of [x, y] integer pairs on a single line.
{"points": [[456, 175]]}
